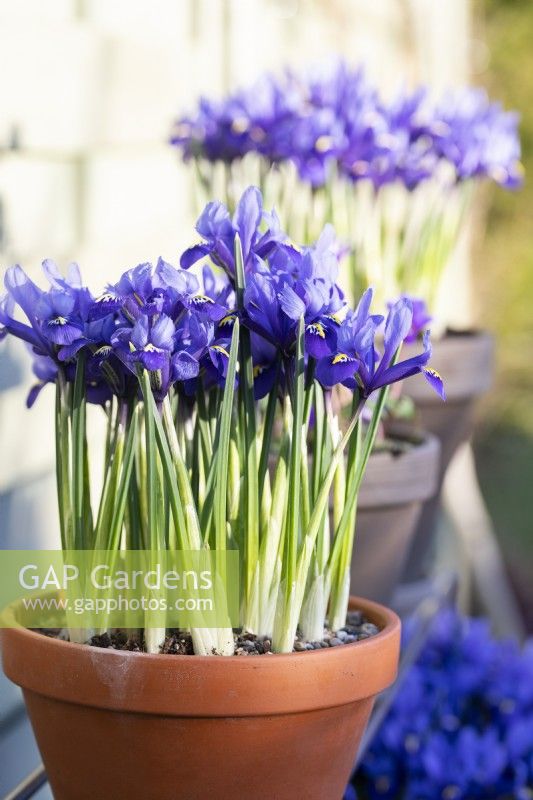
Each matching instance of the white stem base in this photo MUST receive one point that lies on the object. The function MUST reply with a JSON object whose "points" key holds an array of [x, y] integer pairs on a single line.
{"points": [[154, 638], [314, 611], [340, 609], [213, 641], [81, 635]]}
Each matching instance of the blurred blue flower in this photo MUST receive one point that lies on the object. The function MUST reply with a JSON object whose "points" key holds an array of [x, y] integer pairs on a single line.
{"points": [[332, 118], [421, 318], [461, 724]]}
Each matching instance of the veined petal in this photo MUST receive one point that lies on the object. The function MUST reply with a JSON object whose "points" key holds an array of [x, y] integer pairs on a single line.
{"points": [[320, 339], [61, 331], [336, 369], [152, 358], [69, 351], [162, 333], [193, 254], [23, 291], [397, 326], [435, 381], [247, 217], [184, 366], [291, 304]]}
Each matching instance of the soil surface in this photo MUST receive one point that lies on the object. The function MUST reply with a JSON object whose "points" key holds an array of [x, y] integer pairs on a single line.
{"points": [[179, 642]]}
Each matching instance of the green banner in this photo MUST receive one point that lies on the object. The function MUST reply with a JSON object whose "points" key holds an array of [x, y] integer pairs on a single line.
{"points": [[98, 589]]}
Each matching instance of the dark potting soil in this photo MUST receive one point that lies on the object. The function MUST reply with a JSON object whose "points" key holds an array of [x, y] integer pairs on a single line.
{"points": [[179, 642]]}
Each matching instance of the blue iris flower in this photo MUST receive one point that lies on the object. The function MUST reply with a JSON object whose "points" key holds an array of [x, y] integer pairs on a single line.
{"points": [[56, 317], [357, 362]]}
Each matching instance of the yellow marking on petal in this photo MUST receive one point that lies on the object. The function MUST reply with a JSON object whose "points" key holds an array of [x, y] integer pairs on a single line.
{"points": [[240, 125], [151, 348], [318, 328], [340, 358], [58, 321], [323, 144], [335, 317], [138, 298], [104, 350], [202, 298], [258, 370], [433, 372], [229, 319], [220, 349]]}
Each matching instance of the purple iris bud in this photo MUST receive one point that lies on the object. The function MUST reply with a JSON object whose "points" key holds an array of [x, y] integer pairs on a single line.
{"points": [[218, 231], [215, 227], [421, 318]]}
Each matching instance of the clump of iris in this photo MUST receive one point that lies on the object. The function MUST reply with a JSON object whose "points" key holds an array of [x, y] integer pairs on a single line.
{"points": [[192, 367], [395, 175]]}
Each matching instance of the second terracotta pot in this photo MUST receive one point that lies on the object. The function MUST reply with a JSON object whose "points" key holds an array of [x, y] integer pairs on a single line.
{"points": [[129, 726], [465, 360], [389, 506]]}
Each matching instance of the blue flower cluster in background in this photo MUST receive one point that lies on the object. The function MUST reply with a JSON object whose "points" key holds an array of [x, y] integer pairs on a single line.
{"points": [[178, 324], [333, 119], [461, 726]]}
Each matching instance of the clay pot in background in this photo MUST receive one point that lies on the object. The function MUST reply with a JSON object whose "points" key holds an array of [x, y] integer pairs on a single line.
{"points": [[389, 506], [465, 361], [129, 726]]}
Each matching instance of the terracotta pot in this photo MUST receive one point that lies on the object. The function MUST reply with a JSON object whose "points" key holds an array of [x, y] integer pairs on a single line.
{"points": [[127, 726], [389, 506], [465, 361]]}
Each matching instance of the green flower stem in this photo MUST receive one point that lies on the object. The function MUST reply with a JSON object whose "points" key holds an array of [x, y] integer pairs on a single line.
{"points": [[271, 551], [287, 618], [184, 486], [268, 426], [154, 636], [82, 537], [222, 457], [341, 554], [293, 509], [111, 478], [246, 393], [62, 441]]}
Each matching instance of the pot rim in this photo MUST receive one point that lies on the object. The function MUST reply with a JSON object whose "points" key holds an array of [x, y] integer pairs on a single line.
{"points": [[388, 481], [200, 686]]}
